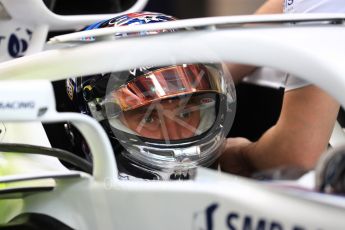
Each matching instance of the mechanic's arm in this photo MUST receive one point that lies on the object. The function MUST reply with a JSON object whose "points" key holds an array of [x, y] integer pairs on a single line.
{"points": [[298, 139], [300, 135], [271, 7], [238, 71]]}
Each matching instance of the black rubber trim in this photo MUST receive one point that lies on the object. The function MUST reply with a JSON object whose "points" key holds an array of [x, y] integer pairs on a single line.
{"points": [[34, 221], [39, 177], [54, 152], [21, 192]]}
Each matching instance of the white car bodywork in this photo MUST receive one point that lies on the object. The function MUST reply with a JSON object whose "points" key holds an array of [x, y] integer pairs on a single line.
{"points": [[314, 51]]}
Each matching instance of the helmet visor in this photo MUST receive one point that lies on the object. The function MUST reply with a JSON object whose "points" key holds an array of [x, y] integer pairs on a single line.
{"points": [[171, 103], [164, 83]]}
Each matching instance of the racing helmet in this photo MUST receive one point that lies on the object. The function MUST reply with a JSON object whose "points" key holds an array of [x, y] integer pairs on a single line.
{"points": [[169, 119]]}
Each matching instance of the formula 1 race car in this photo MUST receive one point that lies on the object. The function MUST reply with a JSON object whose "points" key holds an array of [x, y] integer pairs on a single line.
{"points": [[37, 191]]}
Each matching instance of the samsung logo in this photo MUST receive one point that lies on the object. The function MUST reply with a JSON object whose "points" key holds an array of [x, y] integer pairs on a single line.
{"points": [[16, 105], [205, 220]]}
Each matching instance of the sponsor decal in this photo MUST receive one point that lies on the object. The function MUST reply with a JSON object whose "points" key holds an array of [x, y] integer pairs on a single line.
{"points": [[289, 2], [70, 88], [17, 42], [232, 220], [204, 220], [17, 105], [206, 100], [288, 5], [140, 71]]}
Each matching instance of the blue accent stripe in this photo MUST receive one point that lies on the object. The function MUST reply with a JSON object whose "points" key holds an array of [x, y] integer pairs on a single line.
{"points": [[95, 25]]}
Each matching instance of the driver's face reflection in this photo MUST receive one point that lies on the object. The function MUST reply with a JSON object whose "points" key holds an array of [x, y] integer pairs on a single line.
{"points": [[171, 119]]}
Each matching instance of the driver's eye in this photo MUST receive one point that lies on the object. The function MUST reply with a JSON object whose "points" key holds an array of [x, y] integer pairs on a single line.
{"points": [[185, 114], [149, 119]]}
